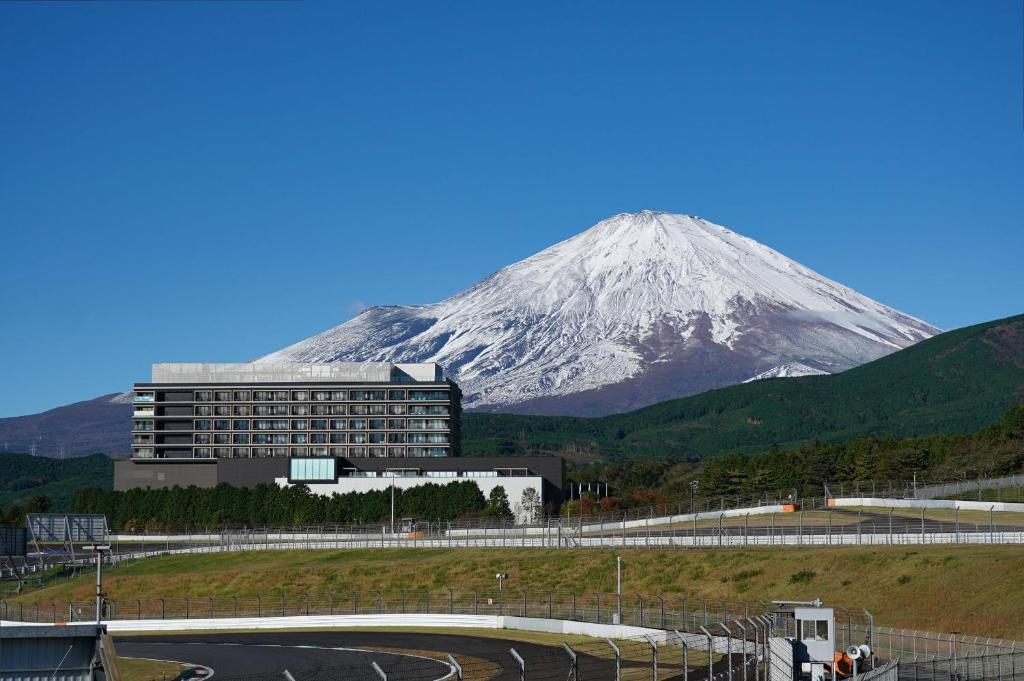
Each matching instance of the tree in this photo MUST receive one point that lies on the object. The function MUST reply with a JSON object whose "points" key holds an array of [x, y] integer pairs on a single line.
{"points": [[529, 506], [497, 504]]}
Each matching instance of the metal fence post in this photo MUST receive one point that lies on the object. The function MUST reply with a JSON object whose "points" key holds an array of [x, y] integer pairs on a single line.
{"points": [[743, 631], [618, 660], [686, 655], [654, 657], [522, 664], [711, 652], [728, 648], [574, 667], [455, 665]]}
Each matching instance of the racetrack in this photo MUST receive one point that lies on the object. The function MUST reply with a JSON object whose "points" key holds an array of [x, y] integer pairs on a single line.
{"points": [[329, 655]]}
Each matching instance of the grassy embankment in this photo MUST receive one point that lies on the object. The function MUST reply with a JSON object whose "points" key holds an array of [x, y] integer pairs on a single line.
{"points": [[971, 589]]}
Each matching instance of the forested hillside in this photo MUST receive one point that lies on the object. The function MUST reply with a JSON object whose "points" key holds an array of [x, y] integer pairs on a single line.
{"points": [[953, 383], [23, 476]]}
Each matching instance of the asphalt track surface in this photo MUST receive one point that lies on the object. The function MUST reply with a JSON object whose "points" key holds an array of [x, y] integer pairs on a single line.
{"points": [[314, 655]]}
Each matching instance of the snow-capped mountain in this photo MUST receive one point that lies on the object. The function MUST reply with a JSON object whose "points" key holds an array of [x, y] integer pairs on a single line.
{"points": [[639, 308]]}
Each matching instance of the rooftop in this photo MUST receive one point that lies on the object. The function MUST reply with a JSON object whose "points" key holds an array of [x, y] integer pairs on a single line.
{"points": [[297, 372]]}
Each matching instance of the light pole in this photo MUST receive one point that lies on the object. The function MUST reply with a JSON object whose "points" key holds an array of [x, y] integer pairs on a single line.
{"points": [[97, 552], [618, 586], [501, 577], [693, 494]]}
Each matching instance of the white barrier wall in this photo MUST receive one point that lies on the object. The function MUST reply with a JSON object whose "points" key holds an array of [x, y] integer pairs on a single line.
{"points": [[950, 504]]}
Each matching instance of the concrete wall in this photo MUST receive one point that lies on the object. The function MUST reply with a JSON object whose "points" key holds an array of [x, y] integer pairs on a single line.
{"points": [[927, 504], [162, 475]]}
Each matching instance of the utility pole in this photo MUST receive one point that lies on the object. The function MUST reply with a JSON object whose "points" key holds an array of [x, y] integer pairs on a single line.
{"points": [[693, 494], [392, 502]]}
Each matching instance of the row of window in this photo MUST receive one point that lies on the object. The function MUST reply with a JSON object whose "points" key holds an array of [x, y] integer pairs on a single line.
{"points": [[145, 425], [313, 395], [318, 438], [267, 452], [315, 410]]}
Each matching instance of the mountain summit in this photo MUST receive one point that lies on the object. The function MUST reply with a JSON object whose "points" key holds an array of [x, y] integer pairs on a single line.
{"points": [[639, 308]]}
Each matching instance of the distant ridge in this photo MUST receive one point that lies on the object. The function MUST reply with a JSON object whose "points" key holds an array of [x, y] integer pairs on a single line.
{"points": [[956, 382]]}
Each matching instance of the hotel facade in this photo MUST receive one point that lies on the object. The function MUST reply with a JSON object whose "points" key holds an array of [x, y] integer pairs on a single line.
{"points": [[335, 427]]}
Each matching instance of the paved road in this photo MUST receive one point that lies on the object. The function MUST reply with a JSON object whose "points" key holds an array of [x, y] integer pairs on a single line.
{"points": [[315, 655]]}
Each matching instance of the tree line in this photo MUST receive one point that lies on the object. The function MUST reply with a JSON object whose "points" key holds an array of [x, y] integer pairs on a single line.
{"points": [[177, 508], [992, 451]]}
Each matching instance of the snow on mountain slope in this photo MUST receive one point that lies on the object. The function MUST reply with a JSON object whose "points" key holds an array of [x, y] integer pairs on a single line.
{"points": [[639, 308], [788, 370]]}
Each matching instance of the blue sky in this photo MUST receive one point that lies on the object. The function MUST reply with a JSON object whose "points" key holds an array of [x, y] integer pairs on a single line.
{"points": [[212, 181]]}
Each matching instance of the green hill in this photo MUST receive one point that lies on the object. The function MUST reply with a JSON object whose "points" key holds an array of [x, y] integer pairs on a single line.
{"points": [[26, 476], [956, 382]]}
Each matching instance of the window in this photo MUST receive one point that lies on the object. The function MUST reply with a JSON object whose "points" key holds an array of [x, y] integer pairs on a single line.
{"points": [[240, 452], [222, 410], [203, 396], [204, 410], [142, 439], [376, 409], [321, 395], [201, 438], [368, 395], [357, 438], [359, 409], [338, 424], [221, 424], [142, 425], [241, 396], [429, 438], [337, 409], [280, 395], [435, 395], [262, 395], [337, 395], [428, 451], [319, 410], [428, 410], [300, 410], [318, 451], [312, 470], [813, 630], [240, 439], [270, 410], [396, 394], [221, 438], [241, 410], [240, 424], [299, 451], [396, 451], [396, 409], [338, 451], [338, 438], [377, 438], [144, 452], [222, 396], [357, 451], [201, 452], [396, 438], [222, 452], [357, 424], [318, 424], [299, 439], [318, 438], [144, 397], [300, 424], [376, 451], [376, 424], [201, 424], [300, 395], [396, 424]]}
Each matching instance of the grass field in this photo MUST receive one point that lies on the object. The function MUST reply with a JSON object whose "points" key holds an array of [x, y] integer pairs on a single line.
{"points": [[971, 589], [142, 669]]}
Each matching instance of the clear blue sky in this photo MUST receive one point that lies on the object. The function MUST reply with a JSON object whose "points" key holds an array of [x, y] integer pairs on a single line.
{"points": [[191, 181]]}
